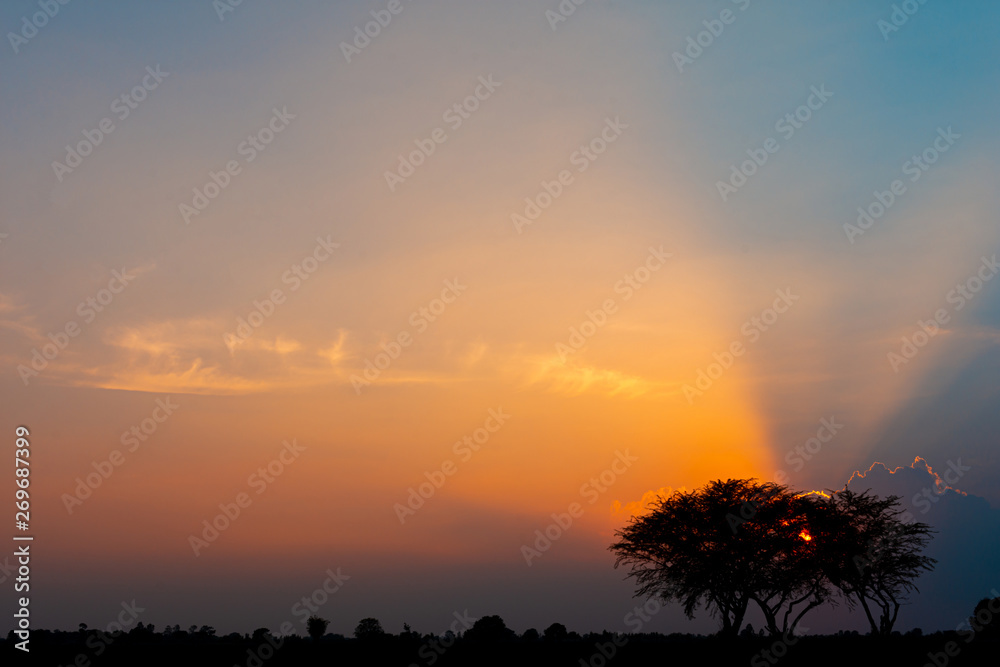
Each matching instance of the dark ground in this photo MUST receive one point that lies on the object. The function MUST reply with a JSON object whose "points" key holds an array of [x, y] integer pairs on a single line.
{"points": [[71, 648]]}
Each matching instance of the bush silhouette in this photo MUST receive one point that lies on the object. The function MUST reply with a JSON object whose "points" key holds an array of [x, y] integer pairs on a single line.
{"points": [[556, 633], [490, 629], [369, 629], [316, 627]]}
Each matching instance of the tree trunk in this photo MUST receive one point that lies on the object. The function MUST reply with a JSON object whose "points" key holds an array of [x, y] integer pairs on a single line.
{"points": [[738, 613], [868, 613], [770, 618]]}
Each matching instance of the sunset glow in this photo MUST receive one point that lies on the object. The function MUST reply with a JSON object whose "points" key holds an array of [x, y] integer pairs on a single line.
{"points": [[447, 299]]}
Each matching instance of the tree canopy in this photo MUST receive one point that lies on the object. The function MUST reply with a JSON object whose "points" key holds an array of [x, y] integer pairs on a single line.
{"points": [[369, 629], [316, 627], [877, 555], [739, 541]]}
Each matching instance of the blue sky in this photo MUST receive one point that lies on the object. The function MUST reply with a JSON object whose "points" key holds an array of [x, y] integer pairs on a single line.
{"points": [[324, 175]]}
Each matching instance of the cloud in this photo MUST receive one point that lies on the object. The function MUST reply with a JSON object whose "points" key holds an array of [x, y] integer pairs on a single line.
{"points": [[188, 356], [966, 543], [572, 378], [637, 507], [914, 477]]}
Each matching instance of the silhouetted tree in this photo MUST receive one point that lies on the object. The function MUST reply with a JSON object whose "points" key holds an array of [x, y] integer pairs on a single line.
{"points": [[985, 619], [142, 631], [316, 627], [722, 546], [490, 629], [530, 635], [369, 629], [555, 633], [872, 555], [791, 579], [408, 633]]}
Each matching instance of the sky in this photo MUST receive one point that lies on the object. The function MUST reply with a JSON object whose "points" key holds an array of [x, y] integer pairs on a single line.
{"points": [[384, 305]]}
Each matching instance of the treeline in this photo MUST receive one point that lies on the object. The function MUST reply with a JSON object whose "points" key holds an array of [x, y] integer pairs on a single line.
{"points": [[490, 642]]}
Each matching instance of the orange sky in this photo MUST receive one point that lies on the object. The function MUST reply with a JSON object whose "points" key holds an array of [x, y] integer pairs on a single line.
{"points": [[636, 250]]}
